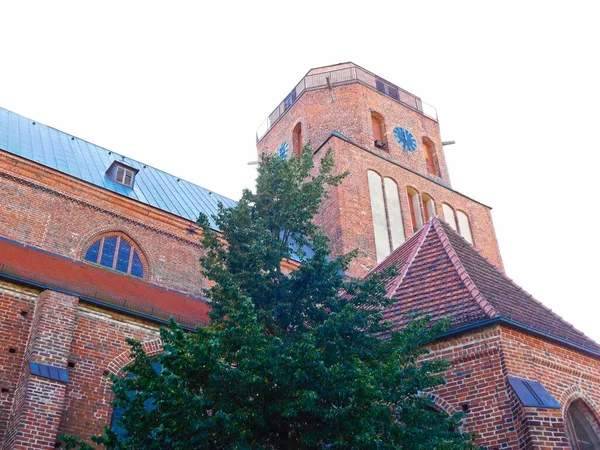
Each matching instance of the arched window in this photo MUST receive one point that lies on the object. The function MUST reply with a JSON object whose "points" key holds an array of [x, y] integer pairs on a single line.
{"points": [[582, 427], [449, 216], [297, 139], [149, 405], [387, 215], [116, 252], [378, 130], [464, 227], [430, 158], [428, 206], [414, 205]]}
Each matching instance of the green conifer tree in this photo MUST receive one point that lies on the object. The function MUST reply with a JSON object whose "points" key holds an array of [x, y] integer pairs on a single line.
{"points": [[295, 358]]}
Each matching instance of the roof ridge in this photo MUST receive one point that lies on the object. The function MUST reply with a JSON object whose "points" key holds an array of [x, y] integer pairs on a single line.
{"points": [[411, 258], [487, 308]]}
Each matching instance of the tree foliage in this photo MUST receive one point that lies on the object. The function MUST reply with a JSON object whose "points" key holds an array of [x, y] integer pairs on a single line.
{"points": [[295, 357]]}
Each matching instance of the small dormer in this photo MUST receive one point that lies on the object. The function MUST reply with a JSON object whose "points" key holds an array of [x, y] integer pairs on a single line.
{"points": [[122, 173]]}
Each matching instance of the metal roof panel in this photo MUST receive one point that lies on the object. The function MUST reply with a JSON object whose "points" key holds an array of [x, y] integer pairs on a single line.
{"points": [[88, 162]]}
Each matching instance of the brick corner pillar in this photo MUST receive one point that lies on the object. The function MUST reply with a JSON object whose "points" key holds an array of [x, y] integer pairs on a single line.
{"points": [[40, 393], [543, 429]]}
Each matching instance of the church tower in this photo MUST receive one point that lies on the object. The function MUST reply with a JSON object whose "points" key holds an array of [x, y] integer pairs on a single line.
{"points": [[389, 141]]}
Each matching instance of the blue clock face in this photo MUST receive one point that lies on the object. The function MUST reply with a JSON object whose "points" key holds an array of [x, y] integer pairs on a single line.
{"points": [[283, 150], [405, 139]]}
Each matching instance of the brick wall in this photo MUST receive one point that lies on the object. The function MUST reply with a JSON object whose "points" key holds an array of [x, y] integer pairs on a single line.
{"points": [[347, 109], [98, 348], [16, 312], [477, 381], [476, 384], [355, 228], [55, 212], [58, 330]]}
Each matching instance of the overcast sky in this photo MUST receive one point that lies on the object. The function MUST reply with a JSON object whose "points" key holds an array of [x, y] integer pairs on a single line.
{"points": [[183, 86]]}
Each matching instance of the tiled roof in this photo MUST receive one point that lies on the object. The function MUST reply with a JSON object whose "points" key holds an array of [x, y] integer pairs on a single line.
{"points": [[444, 276], [48, 270], [81, 159]]}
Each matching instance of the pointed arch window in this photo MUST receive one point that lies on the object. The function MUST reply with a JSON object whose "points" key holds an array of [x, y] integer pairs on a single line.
{"points": [[430, 158], [449, 216], [118, 411], [463, 226], [116, 252], [428, 206], [378, 130], [414, 205], [297, 139], [387, 215], [582, 427]]}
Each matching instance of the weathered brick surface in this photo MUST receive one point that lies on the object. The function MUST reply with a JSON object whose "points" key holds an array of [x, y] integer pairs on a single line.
{"points": [[98, 347], [476, 383], [346, 216], [352, 225], [58, 213], [35, 413], [16, 312], [347, 109], [482, 361]]}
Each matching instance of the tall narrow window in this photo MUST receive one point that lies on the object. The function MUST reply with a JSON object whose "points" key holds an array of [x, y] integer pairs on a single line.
{"points": [[449, 216], [464, 227], [394, 213], [380, 227], [115, 252], [582, 427], [430, 158], [378, 132], [387, 215], [428, 206], [414, 206], [297, 139]]}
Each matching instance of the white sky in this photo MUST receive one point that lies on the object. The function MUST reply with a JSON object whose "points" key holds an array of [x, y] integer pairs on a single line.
{"points": [[183, 86]]}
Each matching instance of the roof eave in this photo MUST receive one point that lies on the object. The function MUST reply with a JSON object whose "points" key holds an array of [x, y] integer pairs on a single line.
{"points": [[521, 327]]}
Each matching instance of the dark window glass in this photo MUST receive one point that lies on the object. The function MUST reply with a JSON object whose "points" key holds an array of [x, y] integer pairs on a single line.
{"points": [[290, 99], [380, 85], [123, 256], [92, 253], [115, 423], [393, 92], [108, 251], [127, 259], [137, 269], [580, 426]]}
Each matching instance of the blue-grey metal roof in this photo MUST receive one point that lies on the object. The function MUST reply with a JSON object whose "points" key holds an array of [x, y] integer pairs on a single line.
{"points": [[86, 161]]}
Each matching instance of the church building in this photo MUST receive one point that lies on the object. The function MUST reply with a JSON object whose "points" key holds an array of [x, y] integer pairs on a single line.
{"points": [[96, 247]]}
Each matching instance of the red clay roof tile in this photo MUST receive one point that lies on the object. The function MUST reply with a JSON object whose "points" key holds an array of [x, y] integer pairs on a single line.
{"points": [[441, 275]]}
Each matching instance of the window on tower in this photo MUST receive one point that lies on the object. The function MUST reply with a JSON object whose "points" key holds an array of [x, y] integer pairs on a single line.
{"points": [[414, 205], [116, 252], [464, 226], [430, 158], [449, 216], [387, 216], [378, 130], [297, 139], [428, 206]]}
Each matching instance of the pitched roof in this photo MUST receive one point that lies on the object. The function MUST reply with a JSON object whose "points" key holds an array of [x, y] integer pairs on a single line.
{"points": [[88, 162], [444, 276], [98, 285]]}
